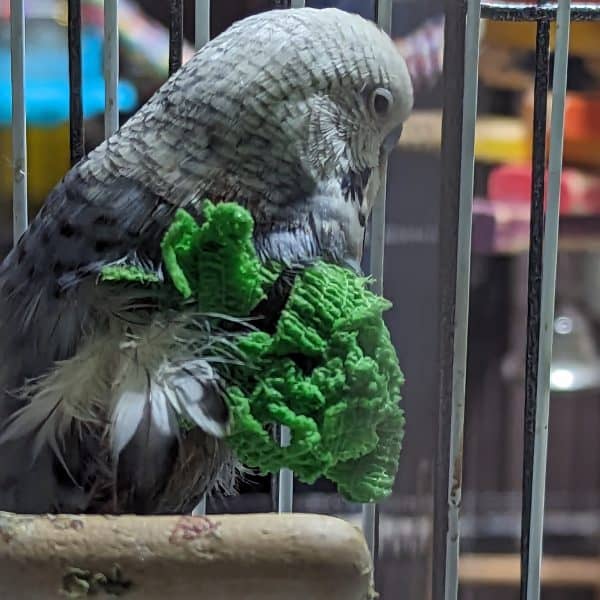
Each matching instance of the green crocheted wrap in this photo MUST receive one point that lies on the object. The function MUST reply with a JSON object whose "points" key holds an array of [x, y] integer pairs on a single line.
{"points": [[329, 371]]}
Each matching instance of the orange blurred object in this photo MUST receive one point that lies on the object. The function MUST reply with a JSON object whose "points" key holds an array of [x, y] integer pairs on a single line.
{"points": [[582, 116], [582, 127], [582, 130]]}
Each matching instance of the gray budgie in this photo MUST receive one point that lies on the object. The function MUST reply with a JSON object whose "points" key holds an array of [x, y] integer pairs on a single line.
{"points": [[291, 113]]}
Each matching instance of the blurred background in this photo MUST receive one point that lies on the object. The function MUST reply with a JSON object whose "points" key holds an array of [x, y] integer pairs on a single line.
{"points": [[495, 394]]}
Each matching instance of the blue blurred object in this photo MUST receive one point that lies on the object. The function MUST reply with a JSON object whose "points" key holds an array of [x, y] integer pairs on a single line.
{"points": [[47, 75]]}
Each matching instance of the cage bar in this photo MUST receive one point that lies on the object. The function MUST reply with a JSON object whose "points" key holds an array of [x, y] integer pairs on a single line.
{"points": [[201, 37], [76, 135], [285, 496], [550, 257], [536, 236], [383, 16], [19, 117], [283, 482], [111, 67], [175, 35], [452, 126], [521, 11], [202, 23], [200, 509], [463, 279]]}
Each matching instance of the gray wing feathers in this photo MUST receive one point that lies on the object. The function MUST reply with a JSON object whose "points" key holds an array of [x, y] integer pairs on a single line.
{"points": [[49, 307], [48, 297], [131, 387], [151, 402]]}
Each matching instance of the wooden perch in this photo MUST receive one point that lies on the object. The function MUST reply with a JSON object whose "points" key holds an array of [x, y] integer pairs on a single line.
{"points": [[221, 557]]}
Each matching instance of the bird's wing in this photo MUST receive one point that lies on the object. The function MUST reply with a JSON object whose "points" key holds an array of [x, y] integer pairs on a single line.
{"points": [[48, 296], [61, 343]]}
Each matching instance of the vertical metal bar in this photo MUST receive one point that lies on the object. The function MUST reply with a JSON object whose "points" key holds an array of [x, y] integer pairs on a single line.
{"points": [[285, 484], [370, 514], [550, 256], [175, 35], [202, 23], [383, 17], [453, 80], [200, 509], [75, 86], [201, 37], [286, 479], [111, 67], [19, 118], [534, 283], [463, 279]]}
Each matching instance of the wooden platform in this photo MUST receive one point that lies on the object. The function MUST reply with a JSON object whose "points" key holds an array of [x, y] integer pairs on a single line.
{"points": [[229, 557]]}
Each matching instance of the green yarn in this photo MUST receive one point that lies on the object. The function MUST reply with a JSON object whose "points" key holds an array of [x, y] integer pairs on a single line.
{"points": [[329, 371], [343, 415], [128, 273], [216, 260]]}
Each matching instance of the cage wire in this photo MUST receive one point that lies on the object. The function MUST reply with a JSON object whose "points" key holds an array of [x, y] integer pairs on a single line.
{"points": [[460, 108], [462, 25], [19, 118]]}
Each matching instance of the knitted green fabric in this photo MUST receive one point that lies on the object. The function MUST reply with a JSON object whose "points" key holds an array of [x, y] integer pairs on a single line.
{"points": [[128, 273], [215, 261], [329, 372], [343, 415]]}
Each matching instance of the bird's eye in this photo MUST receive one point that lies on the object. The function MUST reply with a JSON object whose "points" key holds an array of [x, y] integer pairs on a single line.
{"points": [[381, 102]]}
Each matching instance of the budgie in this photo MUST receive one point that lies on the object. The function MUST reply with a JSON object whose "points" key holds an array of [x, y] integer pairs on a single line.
{"points": [[291, 114]]}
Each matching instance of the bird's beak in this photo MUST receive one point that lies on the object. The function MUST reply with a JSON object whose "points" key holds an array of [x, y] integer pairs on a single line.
{"points": [[354, 265], [391, 140]]}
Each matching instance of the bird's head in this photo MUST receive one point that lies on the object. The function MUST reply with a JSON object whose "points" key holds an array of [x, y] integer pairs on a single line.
{"points": [[293, 113]]}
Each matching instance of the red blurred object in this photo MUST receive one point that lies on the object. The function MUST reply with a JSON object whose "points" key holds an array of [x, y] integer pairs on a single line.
{"points": [[580, 191]]}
